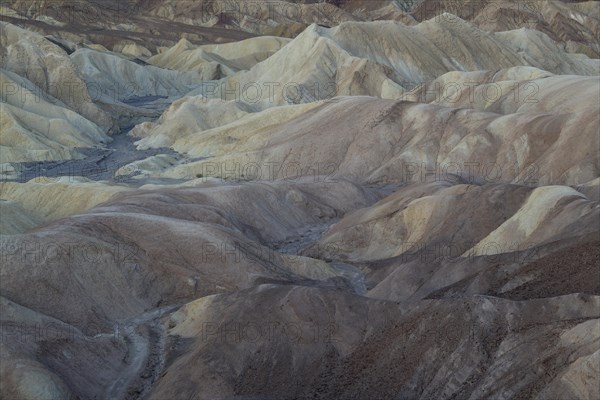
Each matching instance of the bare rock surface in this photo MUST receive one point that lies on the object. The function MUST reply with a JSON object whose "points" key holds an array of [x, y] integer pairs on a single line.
{"points": [[48, 67], [220, 59], [314, 199], [331, 338], [375, 140]]}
